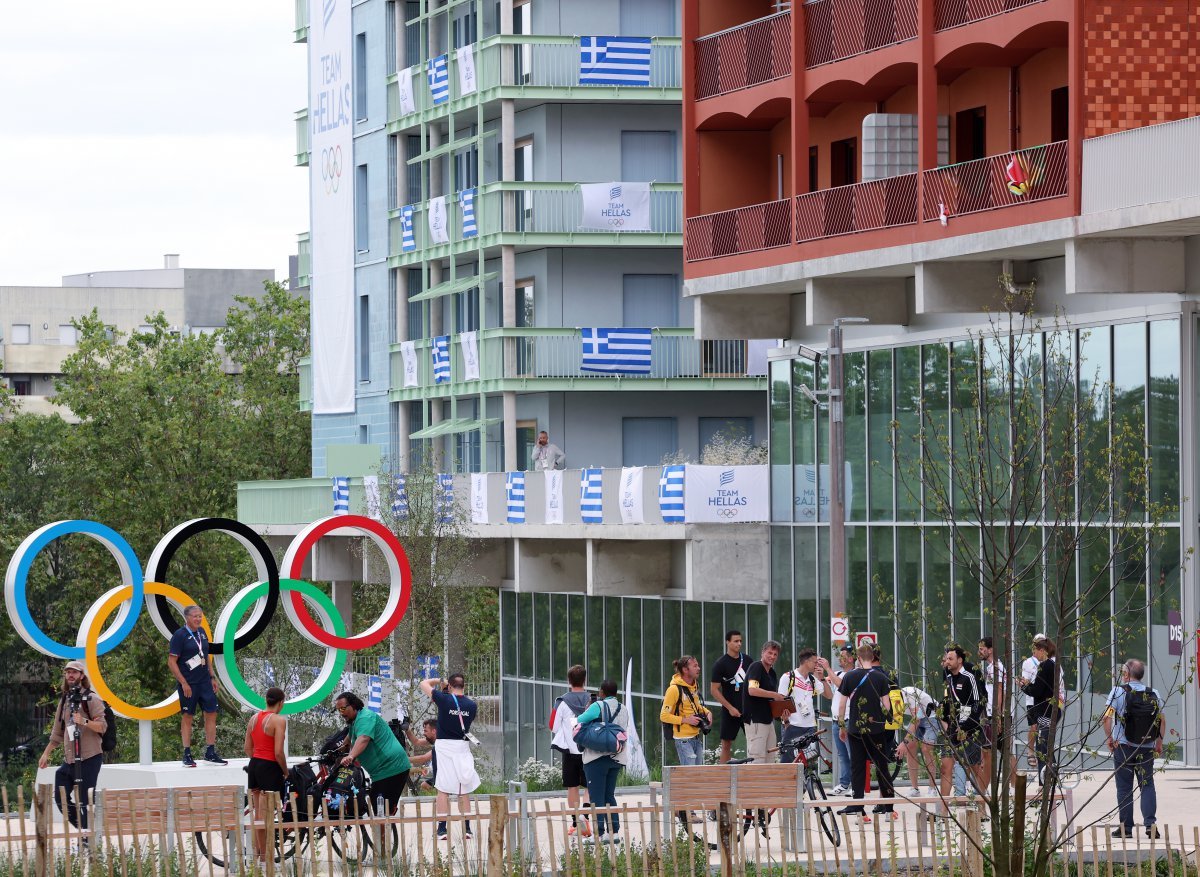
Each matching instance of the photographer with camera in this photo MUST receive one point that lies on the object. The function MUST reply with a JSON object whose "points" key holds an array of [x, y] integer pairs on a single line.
{"points": [[456, 773], [682, 709], [79, 726]]}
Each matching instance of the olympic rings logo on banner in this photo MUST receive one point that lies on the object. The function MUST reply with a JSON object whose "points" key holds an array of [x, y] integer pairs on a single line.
{"points": [[331, 168], [260, 599]]}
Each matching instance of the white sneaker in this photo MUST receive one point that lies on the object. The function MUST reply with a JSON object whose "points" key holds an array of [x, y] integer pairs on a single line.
{"points": [[839, 789], [914, 792]]}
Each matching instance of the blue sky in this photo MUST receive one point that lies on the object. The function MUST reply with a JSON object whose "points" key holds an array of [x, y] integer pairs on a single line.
{"points": [[132, 128]]}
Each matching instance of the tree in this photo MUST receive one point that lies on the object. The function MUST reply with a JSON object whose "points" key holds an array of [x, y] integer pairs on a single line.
{"points": [[1041, 473], [8, 402]]}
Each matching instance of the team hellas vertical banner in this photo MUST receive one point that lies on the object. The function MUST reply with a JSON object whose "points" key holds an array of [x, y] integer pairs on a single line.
{"points": [[725, 494], [631, 496], [468, 342], [408, 355], [616, 206], [439, 227], [404, 89], [479, 498], [554, 496], [331, 205], [466, 70], [371, 496]]}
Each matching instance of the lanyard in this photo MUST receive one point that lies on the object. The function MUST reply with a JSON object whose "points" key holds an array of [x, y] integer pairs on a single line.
{"points": [[458, 710], [198, 640]]}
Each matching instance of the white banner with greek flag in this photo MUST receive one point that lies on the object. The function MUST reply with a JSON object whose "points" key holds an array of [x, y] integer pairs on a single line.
{"points": [[408, 241], [371, 496], [439, 78], [591, 496], [466, 70], [408, 356], [670, 494], [616, 351], [375, 694], [440, 351], [631, 495], [726, 494], [554, 495], [400, 498], [615, 206], [408, 103], [614, 61], [515, 490], [341, 495], [466, 202], [469, 343], [444, 504], [439, 227], [479, 498]]}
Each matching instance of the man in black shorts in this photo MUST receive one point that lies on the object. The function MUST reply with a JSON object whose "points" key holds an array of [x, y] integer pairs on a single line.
{"points": [[726, 683]]}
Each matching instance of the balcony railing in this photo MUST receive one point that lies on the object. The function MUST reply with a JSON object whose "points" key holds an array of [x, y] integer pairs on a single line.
{"points": [[301, 21], [741, 230], [1141, 166], [859, 207], [952, 13], [744, 56], [530, 356], [302, 137], [836, 29], [539, 208], [984, 184]]}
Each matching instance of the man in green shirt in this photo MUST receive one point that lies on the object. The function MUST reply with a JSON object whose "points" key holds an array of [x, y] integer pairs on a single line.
{"points": [[376, 748]]}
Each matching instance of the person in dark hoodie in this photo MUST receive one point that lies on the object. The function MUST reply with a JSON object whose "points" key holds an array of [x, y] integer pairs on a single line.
{"points": [[1046, 691], [567, 708]]}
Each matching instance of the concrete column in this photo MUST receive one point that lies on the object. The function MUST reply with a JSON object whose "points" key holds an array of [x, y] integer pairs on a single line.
{"points": [[743, 315], [1126, 265], [958, 287], [800, 180], [343, 599], [510, 431], [879, 299]]}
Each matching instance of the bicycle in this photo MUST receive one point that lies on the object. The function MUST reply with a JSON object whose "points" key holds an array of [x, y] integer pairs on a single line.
{"points": [[806, 750]]}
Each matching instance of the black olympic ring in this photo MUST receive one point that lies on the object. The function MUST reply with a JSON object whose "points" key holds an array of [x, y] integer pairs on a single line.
{"points": [[267, 571]]}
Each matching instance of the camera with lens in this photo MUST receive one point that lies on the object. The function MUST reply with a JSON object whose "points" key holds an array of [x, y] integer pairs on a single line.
{"points": [[705, 724], [75, 698]]}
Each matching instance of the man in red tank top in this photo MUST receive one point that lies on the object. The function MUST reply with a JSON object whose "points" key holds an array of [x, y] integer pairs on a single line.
{"points": [[268, 769]]}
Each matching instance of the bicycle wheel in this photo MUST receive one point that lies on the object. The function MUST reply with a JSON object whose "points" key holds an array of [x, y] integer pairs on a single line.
{"points": [[287, 843], [816, 792]]}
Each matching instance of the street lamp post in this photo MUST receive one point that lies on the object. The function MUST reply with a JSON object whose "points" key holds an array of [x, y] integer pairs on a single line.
{"points": [[837, 468]]}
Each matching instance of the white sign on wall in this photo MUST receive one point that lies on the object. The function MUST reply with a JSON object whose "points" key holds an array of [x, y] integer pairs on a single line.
{"points": [[554, 496], [812, 503], [726, 494], [439, 227], [469, 344], [331, 206], [631, 496], [616, 206], [479, 498], [466, 70], [408, 354], [404, 88], [371, 496]]}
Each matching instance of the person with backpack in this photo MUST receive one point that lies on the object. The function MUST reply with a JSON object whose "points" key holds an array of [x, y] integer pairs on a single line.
{"points": [[81, 724], [802, 684], [1134, 727], [604, 754], [567, 708], [689, 719], [373, 745], [868, 725]]}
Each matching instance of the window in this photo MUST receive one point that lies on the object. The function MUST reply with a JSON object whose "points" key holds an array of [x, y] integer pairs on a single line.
{"points": [[526, 436], [526, 318], [648, 18], [970, 134], [649, 156], [364, 338], [813, 169], [466, 310], [360, 77], [524, 173], [20, 333], [650, 300], [393, 172], [1060, 104], [412, 172], [416, 322], [466, 167], [729, 427], [22, 385], [364, 434], [843, 162], [68, 336], [362, 231], [523, 24], [412, 33], [465, 29], [646, 440], [390, 36]]}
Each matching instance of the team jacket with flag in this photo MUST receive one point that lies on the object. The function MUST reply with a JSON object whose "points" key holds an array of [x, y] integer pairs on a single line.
{"points": [[964, 702]]}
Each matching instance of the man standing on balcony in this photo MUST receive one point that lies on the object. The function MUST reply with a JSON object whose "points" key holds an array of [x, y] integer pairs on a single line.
{"points": [[546, 455]]}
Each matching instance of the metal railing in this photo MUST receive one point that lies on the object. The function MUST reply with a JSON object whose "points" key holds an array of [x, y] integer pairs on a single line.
{"points": [[842, 210], [302, 136], [420, 93], [984, 184], [741, 230], [837, 29], [1141, 166], [744, 56], [554, 62], [952, 13]]}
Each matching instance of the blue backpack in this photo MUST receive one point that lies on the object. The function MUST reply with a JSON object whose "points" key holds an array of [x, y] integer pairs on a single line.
{"points": [[602, 734]]}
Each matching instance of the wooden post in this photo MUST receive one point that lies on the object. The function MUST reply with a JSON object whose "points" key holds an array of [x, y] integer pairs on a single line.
{"points": [[43, 853], [725, 820], [497, 825], [1016, 849]]}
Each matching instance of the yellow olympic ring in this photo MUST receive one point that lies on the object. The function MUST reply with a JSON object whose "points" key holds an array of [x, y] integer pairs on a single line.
{"points": [[90, 633]]}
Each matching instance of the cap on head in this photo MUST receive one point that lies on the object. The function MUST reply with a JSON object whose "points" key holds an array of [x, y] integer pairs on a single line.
{"points": [[847, 648], [76, 665]]}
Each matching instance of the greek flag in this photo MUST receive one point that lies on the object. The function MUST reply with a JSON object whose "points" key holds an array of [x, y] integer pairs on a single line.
{"points": [[670, 494], [439, 77], [385, 667], [515, 489], [591, 496], [614, 61], [400, 499], [341, 495], [445, 499], [374, 694], [408, 241], [616, 351], [466, 198], [427, 665], [441, 359]]}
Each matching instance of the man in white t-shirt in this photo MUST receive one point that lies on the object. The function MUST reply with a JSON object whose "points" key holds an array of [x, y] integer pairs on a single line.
{"points": [[1028, 672], [919, 737], [802, 685], [995, 677]]}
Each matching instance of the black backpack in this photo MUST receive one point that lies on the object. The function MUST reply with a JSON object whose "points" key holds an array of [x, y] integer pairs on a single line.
{"points": [[668, 730], [1141, 717], [108, 740]]}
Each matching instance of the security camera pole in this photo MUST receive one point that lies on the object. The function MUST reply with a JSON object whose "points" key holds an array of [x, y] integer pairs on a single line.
{"points": [[837, 469]]}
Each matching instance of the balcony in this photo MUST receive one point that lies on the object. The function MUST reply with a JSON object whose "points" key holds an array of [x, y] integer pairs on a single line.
{"points": [[837, 29], [741, 230], [953, 13], [301, 30], [983, 184], [302, 141], [858, 207], [303, 260], [744, 56], [536, 213], [306, 388], [550, 359]]}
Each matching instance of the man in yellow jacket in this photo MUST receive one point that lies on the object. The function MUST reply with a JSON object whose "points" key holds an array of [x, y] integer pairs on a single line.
{"points": [[683, 709]]}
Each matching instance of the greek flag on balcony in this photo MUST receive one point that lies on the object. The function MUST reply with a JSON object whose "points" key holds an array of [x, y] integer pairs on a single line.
{"points": [[341, 495], [670, 494], [439, 79], [591, 496], [466, 199], [374, 694], [385, 667], [408, 241], [444, 504], [400, 499], [515, 489], [614, 61], [616, 351], [441, 359]]}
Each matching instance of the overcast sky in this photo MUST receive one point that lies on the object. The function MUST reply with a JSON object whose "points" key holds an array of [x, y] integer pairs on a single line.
{"points": [[134, 128]]}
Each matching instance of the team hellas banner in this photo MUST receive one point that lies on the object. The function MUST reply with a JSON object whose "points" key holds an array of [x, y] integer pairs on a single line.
{"points": [[331, 206], [554, 496], [631, 496], [404, 88], [466, 70], [439, 226], [726, 494], [479, 498], [468, 343], [408, 355], [616, 206], [371, 496], [812, 492]]}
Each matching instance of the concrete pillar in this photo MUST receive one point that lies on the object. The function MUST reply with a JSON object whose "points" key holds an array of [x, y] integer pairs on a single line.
{"points": [[1126, 265], [550, 565], [343, 599], [742, 315], [958, 287], [882, 300], [624, 568]]}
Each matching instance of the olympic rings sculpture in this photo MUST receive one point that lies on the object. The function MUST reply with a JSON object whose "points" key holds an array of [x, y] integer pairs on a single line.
{"points": [[259, 599]]}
